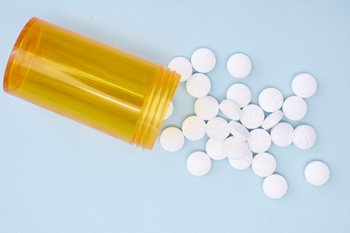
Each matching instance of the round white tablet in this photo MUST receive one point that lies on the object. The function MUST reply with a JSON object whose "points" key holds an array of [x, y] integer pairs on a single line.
{"points": [[230, 109], [182, 66], [242, 163], [217, 128], [294, 108], [317, 173], [272, 120], [239, 65], [259, 141], [304, 137], [252, 116], [169, 111], [275, 186], [264, 164], [238, 130], [304, 85], [235, 148], [172, 139], [206, 107], [270, 99], [198, 85], [214, 149], [282, 134], [193, 128], [198, 163], [203, 60], [240, 94]]}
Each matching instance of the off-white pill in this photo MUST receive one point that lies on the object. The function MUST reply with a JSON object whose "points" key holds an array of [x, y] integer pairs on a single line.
{"points": [[252, 116], [304, 137], [206, 107], [230, 109], [198, 163], [193, 128], [272, 120], [317, 173], [172, 139], [239, 65], [198, 85], [304, 85], [242, 163], [270, 99], [259, 141], [217, 128], [240, 94], [294, 108], [182, 66], [203, 60], [235, 148], [275, 186], [238, 130], [214, 149], [282, 134], [169, 111], [264, 164]]}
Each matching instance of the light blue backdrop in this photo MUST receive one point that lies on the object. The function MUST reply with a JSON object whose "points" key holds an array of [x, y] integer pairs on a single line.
{"points": [[59, 176]]}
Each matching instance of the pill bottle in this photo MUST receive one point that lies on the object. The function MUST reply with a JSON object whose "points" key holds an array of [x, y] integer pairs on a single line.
{"points": [[105, 88]]}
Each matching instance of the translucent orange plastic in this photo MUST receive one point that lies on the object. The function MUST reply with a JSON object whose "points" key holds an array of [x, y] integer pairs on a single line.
{"points": [[113, 91]]}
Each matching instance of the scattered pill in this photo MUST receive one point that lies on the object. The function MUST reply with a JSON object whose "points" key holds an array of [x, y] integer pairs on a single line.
{"points": [[272, 120], [203, 60], [275, 186], [240, 94], [304, 85], [198, 85], [193, 128], [172, 139], [235, 148], [259, 141], [169, 111], [294, 108], [264, 164], [182, 66], [238, 130], [317, 173], [230, 109], [214, 149], [252, 116], [270, 99], [206, 107], [304, 137], [282, 134], [242, 163], [239, 65], [217, 128], [198, 163]]}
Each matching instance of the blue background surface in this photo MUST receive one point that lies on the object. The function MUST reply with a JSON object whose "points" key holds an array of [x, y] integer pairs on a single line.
{"points": [[59, 176]]}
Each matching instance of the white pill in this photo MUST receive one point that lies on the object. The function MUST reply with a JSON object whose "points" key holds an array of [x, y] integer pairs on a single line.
{"points": [[239, 65], [230, 109], [282, 134], [294, 108], [317, 173], [169, 111], [304, 137], [198, 85], [193, 128], [172, 139], [272, 120], [217, 128], [238, 130], [198, 163], [252, 116], [203, 60], [264, 164], [240, 94], [304, 85], [182, 66], [206, 107], [235, 148], [214, 149], [270, 99], [275, 186], [242, 163], [259, 141]]}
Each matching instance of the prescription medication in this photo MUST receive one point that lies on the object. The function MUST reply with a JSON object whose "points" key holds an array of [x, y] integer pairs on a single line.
{"points": [[169, 111], [304, 85], [294, 108], [235, 148], [198, 85], [239, 65], [259, 141], [214, 149], [240, 94], [317, 173], [252, 116], [242, 163], [264, 164], [217, 128], [275, 186], [270, 99], [203, 60], [92, 83], [193, 128], [206, 107], [304, 137], [182, 66], [198, 163], [238, 130], [172, 139], [230, 109], [282, 134], [272, 120]]}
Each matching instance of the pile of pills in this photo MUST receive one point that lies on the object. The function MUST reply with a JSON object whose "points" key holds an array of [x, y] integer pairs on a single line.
{"points": [[241, 133]]}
